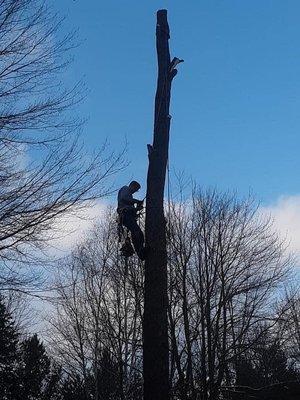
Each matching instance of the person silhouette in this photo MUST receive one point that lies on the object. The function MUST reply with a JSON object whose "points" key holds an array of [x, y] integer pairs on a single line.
{"points": [[127, 210]]}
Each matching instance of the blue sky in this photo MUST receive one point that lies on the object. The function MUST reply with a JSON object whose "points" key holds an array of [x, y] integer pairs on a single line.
{"points": [[236, 99]]}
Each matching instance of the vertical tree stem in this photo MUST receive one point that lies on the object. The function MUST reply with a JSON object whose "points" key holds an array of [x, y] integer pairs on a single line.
{"points": [[155, 322]]}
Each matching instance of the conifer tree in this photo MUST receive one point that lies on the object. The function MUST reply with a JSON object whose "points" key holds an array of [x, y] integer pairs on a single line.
{"points": [[9, 353], [265, 364], [73, 388], [35, 367], [109, 375], [26, 371]]}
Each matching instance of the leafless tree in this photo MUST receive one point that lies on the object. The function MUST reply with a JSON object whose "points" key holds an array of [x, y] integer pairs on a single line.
{"points": [[19, 306], [225, 264], [98, 310], [288, 325], [44, 171]]}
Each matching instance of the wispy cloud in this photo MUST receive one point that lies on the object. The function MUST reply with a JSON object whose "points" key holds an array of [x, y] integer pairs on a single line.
{"points": [[285, 213], [70, 229]]}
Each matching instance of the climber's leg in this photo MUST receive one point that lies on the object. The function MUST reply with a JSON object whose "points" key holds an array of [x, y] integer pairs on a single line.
{"points": [[137, 236]]}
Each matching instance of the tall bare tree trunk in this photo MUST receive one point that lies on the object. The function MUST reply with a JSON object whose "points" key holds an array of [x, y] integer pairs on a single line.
{"points": [[155, 323]]}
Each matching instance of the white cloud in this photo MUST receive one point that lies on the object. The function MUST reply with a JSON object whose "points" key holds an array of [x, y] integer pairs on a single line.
{"points": [[286, 215], [70, 229]]}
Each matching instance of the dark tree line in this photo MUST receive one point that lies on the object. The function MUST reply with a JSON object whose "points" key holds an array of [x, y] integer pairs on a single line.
{"points": [[27, 372]]}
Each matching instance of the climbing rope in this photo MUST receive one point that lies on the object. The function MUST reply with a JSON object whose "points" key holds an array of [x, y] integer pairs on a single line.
{"points": [[168, 234]]}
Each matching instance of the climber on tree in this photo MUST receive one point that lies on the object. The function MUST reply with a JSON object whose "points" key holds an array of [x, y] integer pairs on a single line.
{"points": [[128, 215]]}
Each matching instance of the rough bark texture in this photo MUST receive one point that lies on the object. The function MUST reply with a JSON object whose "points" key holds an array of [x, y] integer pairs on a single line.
{"points": [[155, 323]]}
